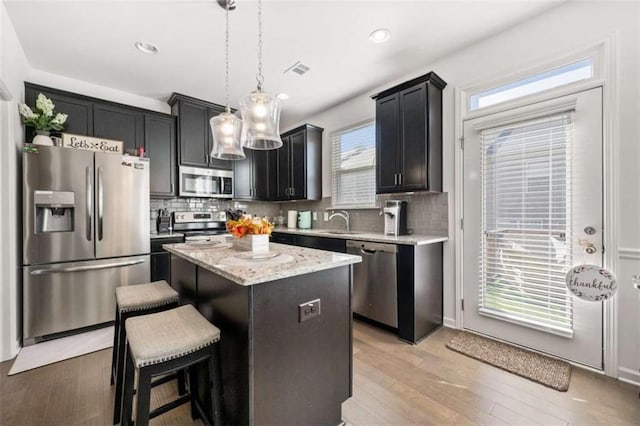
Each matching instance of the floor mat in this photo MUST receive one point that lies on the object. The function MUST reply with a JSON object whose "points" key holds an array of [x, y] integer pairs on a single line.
{"points": [[539, 368], [45, 353]]}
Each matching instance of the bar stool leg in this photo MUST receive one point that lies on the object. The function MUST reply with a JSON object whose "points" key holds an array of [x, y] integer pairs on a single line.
{"points": [[116, 330], [143, 397], [215, 379], [182, 386], [127, 403], [193, 390], [120, 360]]}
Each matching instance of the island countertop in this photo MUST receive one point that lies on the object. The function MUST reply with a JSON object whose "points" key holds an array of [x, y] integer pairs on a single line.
{"points": [[291, 261]]}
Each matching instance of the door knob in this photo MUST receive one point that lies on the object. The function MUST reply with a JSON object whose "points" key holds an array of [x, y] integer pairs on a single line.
{"points": [[589, 248]]}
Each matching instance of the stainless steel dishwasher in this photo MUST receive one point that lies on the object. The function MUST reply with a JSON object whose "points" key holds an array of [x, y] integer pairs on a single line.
{"points": [[375, 290]]}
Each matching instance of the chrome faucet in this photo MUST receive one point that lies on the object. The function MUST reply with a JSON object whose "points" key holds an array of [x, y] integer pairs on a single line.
{"points": [[343, 214]]}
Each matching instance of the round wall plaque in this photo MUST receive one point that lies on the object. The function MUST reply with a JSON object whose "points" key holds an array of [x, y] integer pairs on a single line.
{"points": [[591, 282]]}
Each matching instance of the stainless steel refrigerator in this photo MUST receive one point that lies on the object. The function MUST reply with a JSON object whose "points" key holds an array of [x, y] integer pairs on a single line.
{"points": [[85, 231]]}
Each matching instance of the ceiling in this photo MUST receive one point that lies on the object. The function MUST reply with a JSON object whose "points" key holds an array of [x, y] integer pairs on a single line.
{"points": [[94, 41]]}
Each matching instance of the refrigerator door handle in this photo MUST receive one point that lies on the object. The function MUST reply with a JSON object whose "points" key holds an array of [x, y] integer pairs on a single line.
{"points": [[86, 268], [89, 195], [100, 202]]}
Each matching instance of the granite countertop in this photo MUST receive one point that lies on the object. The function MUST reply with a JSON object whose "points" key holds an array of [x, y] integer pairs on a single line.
{"points": [[378, 237], [291, 261], [156, 236]]}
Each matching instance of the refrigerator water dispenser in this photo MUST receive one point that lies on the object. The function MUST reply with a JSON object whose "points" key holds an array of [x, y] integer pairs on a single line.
{"points": [[54, 211]]}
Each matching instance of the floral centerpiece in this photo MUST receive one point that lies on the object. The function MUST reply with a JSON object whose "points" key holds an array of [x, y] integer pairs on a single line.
{"points": [[251, 233], [43, 119]]}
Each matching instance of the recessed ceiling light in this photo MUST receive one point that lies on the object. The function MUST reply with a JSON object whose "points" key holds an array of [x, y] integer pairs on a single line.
{"points": [[380, 35], [146, 47], [282, 96]]}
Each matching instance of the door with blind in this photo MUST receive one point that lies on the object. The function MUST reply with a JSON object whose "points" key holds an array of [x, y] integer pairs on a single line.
{"points": [[532, 206]]}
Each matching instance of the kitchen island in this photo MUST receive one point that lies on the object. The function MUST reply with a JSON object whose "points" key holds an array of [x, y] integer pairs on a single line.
{"points": [[286, 325]]}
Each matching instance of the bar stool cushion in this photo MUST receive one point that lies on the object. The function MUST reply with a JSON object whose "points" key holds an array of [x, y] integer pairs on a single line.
{"points": [[167, 335], [145, 296]]}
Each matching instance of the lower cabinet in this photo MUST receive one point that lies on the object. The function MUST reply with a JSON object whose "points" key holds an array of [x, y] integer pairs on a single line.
{"points": [[321, 243], [161, 259], [419, 282], [419, 270]]}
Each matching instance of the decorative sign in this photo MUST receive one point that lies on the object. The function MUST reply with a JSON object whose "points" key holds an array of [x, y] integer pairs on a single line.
{"points": [[70, 140], [591, 282]]}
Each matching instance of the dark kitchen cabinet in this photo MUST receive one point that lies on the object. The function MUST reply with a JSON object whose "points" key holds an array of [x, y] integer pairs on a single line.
{"points": [[119, 123], [299, 164], [409, 136], [78, 109], [321, 243], [255, 176], [194, 133], [160, 146], [161, 259]]}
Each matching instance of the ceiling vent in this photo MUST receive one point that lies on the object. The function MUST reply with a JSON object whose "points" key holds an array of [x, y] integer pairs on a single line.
{"points": [[298, 68]]}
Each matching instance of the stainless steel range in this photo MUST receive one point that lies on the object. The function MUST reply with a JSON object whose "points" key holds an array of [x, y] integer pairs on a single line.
{"points": [[203, 225]]}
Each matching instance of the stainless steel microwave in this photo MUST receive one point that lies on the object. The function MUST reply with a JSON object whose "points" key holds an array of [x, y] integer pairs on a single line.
{"points": [[212, 183]]}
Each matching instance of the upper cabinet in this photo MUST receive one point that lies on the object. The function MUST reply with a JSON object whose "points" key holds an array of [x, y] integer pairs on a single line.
{"points": [[160, 146], [194, 134], [299, 164], [79, 109], [409, 136], [255, 177], [119, 123], [135, 127]]}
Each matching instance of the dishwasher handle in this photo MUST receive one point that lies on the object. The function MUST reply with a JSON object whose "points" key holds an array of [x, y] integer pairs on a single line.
{"points": [[368, 252], [370, 247]]}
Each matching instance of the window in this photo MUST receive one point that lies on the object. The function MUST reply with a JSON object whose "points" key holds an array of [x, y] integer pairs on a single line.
{"points": [[525, 224], [353, 152], [577, 71]]}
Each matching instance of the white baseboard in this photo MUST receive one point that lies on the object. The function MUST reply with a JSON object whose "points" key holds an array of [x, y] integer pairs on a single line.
{"points": [[12, 351], [628, 375], [449, 322]]}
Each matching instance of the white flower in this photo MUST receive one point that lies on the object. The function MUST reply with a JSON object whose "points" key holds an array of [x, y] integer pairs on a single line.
{"points": [[26, 112], [45, 105], [59, 119]]}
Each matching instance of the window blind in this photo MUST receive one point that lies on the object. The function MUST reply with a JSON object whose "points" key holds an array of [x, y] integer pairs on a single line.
{"points": [[526, 228], [353, 163]]}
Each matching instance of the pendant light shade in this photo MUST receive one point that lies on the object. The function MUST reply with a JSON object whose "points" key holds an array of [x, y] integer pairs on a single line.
{"points": [[226, 129], [261, 119], [260, 111]]}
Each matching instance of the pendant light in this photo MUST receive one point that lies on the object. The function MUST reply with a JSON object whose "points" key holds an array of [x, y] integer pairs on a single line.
{"points": [[260, 111], [226, 127]]}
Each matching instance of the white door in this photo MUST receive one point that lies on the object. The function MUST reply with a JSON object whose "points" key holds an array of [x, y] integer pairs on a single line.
{"points": [[532, 205]]}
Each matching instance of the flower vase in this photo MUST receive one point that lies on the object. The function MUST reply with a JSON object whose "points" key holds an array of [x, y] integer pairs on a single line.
{"points": [[253, 243], [42, 138]]}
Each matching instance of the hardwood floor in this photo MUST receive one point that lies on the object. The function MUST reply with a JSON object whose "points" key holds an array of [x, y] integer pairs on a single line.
{"points": [[394, 383]]}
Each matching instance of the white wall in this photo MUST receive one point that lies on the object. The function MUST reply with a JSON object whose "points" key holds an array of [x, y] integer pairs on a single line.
{"points": [[13, 70], [101, 92], [563, 29]]}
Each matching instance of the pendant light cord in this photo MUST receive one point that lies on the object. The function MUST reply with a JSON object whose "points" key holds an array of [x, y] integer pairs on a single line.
{"points": [[259, 76], [226, 57]]}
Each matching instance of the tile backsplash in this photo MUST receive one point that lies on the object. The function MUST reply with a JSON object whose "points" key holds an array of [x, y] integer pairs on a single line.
{"points": [[427, 213], [208, 204]]}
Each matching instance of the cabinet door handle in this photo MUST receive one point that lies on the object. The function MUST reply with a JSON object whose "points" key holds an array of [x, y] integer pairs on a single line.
{"points": [[395, 179], [172, 187], [399, 178]]}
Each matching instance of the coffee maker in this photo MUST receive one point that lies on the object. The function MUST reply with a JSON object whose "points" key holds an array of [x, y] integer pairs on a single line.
{"points": [[395, 217]]}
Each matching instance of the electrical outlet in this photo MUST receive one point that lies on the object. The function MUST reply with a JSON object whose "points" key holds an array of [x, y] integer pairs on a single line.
{"points": [[326, 216], [308, 310], [315, 216]]}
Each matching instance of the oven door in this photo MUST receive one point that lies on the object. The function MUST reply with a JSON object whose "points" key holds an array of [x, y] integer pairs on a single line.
{"points": [[197, 182]]}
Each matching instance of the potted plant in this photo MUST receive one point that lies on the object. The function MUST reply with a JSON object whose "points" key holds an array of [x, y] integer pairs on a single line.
{"points": [[251, 233], [43, 119]]}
